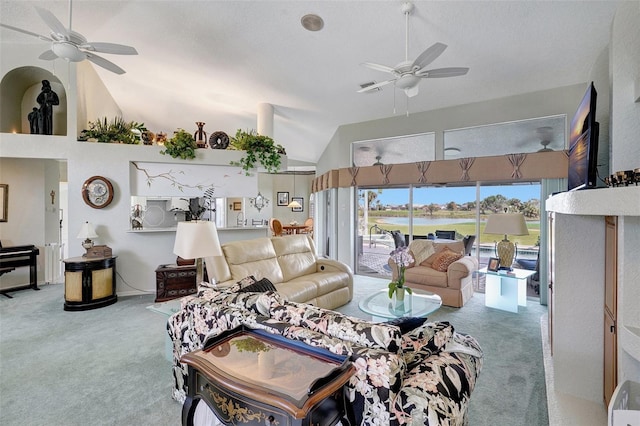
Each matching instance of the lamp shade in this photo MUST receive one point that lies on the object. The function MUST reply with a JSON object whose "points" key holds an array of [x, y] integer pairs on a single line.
{"points": [[196, 239], [87, 231], [294, 204], [506, 224]]}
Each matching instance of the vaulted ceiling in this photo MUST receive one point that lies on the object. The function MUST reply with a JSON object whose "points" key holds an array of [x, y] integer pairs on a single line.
{"points": [[215, 61]]}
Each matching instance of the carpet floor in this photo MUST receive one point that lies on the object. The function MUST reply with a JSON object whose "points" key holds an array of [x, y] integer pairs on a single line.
{"points": [[107, 366]]}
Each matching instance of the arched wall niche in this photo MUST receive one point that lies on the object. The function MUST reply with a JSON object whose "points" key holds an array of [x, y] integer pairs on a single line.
{"points": [[20, 88]]}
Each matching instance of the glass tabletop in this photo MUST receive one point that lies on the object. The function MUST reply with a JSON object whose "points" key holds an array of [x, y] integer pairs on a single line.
{"points": [[273, 367], [519, 274], [379, 305]]}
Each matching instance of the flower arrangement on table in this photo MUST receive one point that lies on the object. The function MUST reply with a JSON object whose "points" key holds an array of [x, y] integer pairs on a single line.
{"points": [[401, 258]]}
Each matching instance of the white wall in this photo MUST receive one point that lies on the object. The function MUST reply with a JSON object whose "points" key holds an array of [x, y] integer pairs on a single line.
{"points": [[625, 70], [26, 216], [625, 154]]}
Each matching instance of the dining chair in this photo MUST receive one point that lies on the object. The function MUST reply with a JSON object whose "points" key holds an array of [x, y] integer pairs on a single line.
{"points": [[276, 227], [309, 226]]}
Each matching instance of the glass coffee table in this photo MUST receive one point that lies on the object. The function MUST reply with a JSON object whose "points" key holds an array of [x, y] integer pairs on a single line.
{"points": [[419, 304]]}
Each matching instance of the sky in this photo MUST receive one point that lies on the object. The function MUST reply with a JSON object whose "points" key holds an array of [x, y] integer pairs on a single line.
{"points": [[459, 195]]}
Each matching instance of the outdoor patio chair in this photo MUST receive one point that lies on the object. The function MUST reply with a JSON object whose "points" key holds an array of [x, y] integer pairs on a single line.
{"points": [[446, 235], [468, 244], [398, 239], [532, 265]]}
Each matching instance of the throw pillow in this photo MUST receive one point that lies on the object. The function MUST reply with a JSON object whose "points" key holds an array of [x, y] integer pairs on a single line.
{"points": [[246, 281], [421, 250], [261, 286], [406, 324], [445, 258]]}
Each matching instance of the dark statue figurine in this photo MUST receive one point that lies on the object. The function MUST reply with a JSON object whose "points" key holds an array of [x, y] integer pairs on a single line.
{"points": [[34, 121], [47, 99]]}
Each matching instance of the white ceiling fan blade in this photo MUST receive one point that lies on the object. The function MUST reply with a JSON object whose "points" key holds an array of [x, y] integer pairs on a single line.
{"points": [[375, 86], [112, 48], [443, 72], [108, 65], [53, 22], [48, 55], [20, 30], [429, 55], [412, 91], [378, 67]]}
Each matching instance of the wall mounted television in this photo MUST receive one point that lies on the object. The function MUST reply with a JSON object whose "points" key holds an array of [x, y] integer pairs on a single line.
{"points": [[583, 144]]}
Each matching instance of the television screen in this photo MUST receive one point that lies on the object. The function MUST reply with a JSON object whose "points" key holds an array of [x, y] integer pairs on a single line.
{"points": [[583, 143]]}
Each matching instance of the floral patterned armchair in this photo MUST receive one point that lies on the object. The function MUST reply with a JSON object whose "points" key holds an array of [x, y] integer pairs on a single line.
{"points": [[423, 377]]}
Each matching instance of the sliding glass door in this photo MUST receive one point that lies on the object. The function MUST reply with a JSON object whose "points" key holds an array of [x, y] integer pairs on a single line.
{"points": [[425, 211]]}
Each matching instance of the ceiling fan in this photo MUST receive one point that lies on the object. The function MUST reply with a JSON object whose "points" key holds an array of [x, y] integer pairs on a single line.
{"points": [[73, 46], [407, 74], [546, 135]]}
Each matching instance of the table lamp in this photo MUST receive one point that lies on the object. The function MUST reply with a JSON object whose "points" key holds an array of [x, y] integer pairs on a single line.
{"points": [[195, 240], [506, 224], [87, 233]]}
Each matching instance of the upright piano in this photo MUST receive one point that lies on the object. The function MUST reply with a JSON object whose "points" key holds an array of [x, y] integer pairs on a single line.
{"points": [[18, 256]]}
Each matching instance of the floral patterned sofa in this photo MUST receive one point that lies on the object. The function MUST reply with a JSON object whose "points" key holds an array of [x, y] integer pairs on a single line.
{"points": [[422, 377]]}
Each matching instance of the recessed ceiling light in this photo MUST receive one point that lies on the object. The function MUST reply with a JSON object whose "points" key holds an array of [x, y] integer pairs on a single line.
{"points": [[312, 22], [452, 150]]}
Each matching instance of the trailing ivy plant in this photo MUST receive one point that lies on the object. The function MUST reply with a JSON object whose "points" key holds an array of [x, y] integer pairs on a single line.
{"points": [[259, 149], [181, 145], [115, 131]]}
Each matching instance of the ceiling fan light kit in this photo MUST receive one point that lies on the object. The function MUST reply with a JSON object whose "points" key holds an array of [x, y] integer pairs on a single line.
{"points": [[72, 46], [408, 74]]}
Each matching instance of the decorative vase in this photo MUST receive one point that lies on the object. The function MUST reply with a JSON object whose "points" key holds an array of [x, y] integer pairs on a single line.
{"points": [[200, 135], [266, 364], [399, 301]]}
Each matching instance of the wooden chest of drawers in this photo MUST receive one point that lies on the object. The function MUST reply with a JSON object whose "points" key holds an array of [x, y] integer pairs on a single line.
{"points": [[173, 281]]}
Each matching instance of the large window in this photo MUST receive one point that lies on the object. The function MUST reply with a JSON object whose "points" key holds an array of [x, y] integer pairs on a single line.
{"points": [[421, 211]]}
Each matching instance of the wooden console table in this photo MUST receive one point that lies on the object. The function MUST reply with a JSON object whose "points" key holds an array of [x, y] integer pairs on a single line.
{"points": [[251, 377], [89, 283]]}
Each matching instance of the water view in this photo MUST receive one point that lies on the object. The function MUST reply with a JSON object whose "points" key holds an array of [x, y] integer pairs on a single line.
{"points": [[421, 220]]}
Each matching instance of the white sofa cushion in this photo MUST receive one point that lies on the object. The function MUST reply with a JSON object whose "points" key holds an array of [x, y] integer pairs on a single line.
{"points": [[296, 256], [253, 257]]}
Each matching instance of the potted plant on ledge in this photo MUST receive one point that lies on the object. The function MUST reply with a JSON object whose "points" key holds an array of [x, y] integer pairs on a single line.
{"points": [[181, 145], [115, 131], [259, 149]]}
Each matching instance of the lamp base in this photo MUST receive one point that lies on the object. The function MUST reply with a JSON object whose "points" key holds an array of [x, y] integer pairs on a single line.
{"points": [[506, 250], [88, 245]]}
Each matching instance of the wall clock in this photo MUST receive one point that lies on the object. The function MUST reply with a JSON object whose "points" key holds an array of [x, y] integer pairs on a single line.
{"points": [[97, 192]]}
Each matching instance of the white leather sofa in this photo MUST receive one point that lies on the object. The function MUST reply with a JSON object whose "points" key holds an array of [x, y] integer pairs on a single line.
{"points": [[291, 264]]}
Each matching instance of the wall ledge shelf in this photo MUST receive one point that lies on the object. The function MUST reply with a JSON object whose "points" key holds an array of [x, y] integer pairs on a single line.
{"points": [[173, 229], [622, 201]]}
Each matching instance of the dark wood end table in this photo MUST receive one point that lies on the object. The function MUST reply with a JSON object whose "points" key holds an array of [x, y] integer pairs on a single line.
{"points": [[251, 377], [173, 281]]}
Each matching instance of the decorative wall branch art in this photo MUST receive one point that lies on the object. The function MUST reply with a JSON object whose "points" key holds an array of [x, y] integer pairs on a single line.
{"points": [[4, 202], [516, 161], [165, 179], [465, 165], [423, 166]]}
